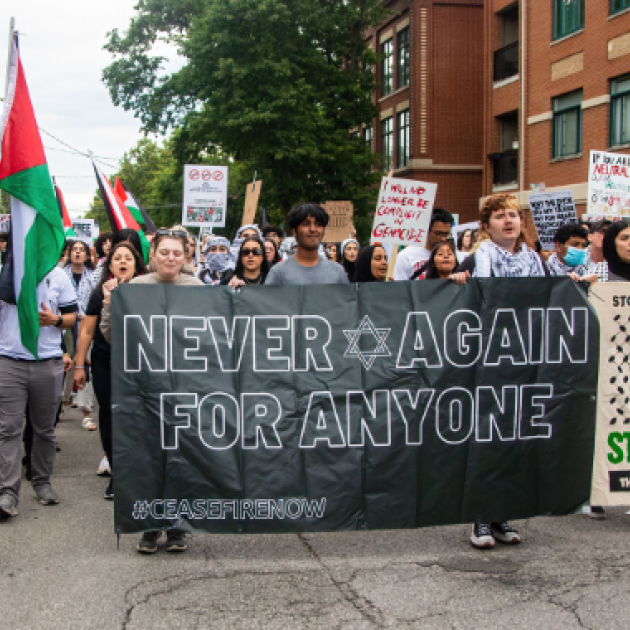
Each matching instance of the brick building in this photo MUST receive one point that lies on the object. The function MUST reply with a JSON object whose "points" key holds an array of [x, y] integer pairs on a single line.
{"points": [[430, 125], [557, 85]]}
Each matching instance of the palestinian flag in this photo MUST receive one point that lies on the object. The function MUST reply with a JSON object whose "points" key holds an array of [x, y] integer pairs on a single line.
{"points": [[134, 206], [120, 218], [63, 211], [37, 232]]}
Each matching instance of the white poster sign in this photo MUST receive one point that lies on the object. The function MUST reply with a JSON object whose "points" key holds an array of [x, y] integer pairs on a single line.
{"points": [[205, 195], [550, 210], [84, 229], [403, 212], [611, 466], [5, 222], [609, 184]]}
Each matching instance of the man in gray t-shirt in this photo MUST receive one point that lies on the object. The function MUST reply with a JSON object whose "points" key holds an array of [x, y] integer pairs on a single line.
{"points": [[307, 222]]}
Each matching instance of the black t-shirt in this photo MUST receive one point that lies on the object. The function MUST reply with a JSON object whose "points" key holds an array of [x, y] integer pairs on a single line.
{"points": [[94, 307], [77, 278]]}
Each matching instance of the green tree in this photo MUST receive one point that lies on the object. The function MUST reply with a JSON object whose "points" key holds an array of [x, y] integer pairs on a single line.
{"points": [[278, 85]]}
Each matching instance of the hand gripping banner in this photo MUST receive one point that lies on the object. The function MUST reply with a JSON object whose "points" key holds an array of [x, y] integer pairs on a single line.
{"points": [[326, 408]]}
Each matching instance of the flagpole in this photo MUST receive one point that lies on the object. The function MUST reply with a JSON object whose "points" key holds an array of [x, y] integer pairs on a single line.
{"points": [[11, 33]]}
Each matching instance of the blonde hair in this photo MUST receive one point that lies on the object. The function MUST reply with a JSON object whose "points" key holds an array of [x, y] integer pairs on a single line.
{"points": [[492, 204]]}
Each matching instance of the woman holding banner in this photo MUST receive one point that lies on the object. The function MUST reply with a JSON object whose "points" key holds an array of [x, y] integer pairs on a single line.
{"points": [[123, 263], [440, 265], [169, 258], [617, 251], [252, 265], [502, 251]]}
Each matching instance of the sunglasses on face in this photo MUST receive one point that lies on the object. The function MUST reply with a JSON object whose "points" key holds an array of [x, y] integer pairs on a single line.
{"points": [[256, 251], [176, 233]]}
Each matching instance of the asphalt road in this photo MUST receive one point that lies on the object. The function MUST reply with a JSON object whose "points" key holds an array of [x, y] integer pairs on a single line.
{"points": [[60, 568]]}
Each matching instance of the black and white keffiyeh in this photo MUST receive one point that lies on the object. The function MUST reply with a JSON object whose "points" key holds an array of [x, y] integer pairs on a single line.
{"points": [[558, 268], [491, 260]]}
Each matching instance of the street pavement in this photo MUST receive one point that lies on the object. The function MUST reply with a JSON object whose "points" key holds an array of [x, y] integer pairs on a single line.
{"points": [[60, 568]]}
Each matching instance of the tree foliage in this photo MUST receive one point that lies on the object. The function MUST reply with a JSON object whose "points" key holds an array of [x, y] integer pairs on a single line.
{"points": [[276, 84]]}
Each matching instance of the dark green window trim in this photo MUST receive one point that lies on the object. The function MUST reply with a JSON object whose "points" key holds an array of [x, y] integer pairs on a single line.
{"points": [[565, 23], [619, 102], [618, 5], [387, 67], [387, 143], [562, 115]]}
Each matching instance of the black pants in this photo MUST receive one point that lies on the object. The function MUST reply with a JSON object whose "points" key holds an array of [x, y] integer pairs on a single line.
{"points": [[102, 383]]}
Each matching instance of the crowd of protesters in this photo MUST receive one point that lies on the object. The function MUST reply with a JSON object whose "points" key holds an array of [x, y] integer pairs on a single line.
{"points": [[75, 323]]}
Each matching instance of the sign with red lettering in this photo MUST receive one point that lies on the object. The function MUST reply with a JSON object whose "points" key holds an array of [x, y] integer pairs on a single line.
{"points": [[609, 184], [403, 212], [205, 195]]}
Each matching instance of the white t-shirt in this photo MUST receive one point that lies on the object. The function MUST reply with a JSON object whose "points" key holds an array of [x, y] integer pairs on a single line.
{"points": [[409, 261], [57, 292]]}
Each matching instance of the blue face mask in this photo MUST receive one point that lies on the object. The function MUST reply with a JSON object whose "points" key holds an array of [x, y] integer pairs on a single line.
{"points": [[574, 257]]}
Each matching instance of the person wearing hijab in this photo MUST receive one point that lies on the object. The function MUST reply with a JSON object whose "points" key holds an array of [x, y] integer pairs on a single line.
{"points": [[349, 252], [617, 251], [371, 265], [288, 247], [218, 260], [242, 233]]}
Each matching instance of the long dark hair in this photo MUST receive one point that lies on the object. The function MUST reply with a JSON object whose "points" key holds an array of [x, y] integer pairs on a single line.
{"points": [[615, 264], [432, 272], [264, 266], [106, 272]]}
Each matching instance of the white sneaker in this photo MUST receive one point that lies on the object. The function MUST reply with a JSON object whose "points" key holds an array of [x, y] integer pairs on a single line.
{"points": [[104, 469], [88, 424], [481, 536]]}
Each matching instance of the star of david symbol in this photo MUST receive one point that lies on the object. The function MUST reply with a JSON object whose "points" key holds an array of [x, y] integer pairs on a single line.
{"points": [[366, 327]]}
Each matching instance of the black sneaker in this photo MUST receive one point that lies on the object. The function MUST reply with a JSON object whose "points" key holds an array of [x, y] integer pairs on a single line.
{"points": [[8, 506], [109, 493], [175, 540], [505, 533], [597, 512], [481, 537], [148, 542]]}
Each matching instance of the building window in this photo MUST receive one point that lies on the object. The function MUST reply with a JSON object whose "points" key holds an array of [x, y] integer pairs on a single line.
{"points": [[620, 111], [387, 145], [367, 136], [568, 17], [618, 5], [403, 138], [403, 57], [387, 67], [567, 124]]}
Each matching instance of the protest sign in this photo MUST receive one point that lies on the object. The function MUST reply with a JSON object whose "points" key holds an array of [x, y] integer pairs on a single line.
{"points": [[322, 408], [471, 225], [403, 212], [611, 466], [5, 222], [84, 230], [339, 226], [609, 184], [549, 211], [251, 202], [205, 195]]}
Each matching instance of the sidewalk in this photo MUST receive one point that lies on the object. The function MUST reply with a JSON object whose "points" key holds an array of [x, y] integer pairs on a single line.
{"points": [[60, 568]]}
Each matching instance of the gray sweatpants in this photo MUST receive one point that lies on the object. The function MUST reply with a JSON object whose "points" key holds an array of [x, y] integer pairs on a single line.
{"points": [[40, 385]]}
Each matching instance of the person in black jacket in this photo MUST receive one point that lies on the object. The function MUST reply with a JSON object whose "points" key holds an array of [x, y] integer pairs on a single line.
{"points": [[252, 266]]}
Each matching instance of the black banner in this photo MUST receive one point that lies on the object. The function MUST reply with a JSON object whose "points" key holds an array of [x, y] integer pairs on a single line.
{"points": [[284, 409]]}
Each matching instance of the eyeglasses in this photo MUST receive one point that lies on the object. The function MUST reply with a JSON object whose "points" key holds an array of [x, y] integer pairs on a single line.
{"points": [[256, 251], [176, 233]]}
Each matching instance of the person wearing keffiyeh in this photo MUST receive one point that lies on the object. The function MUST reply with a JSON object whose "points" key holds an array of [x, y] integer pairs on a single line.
{"points": [[241, 234], [218, 260], [502, 251], [571, 241]]}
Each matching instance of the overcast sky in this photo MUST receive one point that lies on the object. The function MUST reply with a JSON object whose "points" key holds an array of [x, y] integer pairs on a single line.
{"points": [[61, 46]]}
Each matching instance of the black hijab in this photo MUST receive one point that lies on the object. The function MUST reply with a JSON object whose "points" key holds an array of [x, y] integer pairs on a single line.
{"points": [[350, 267], [615, 264], [363, 265]]}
